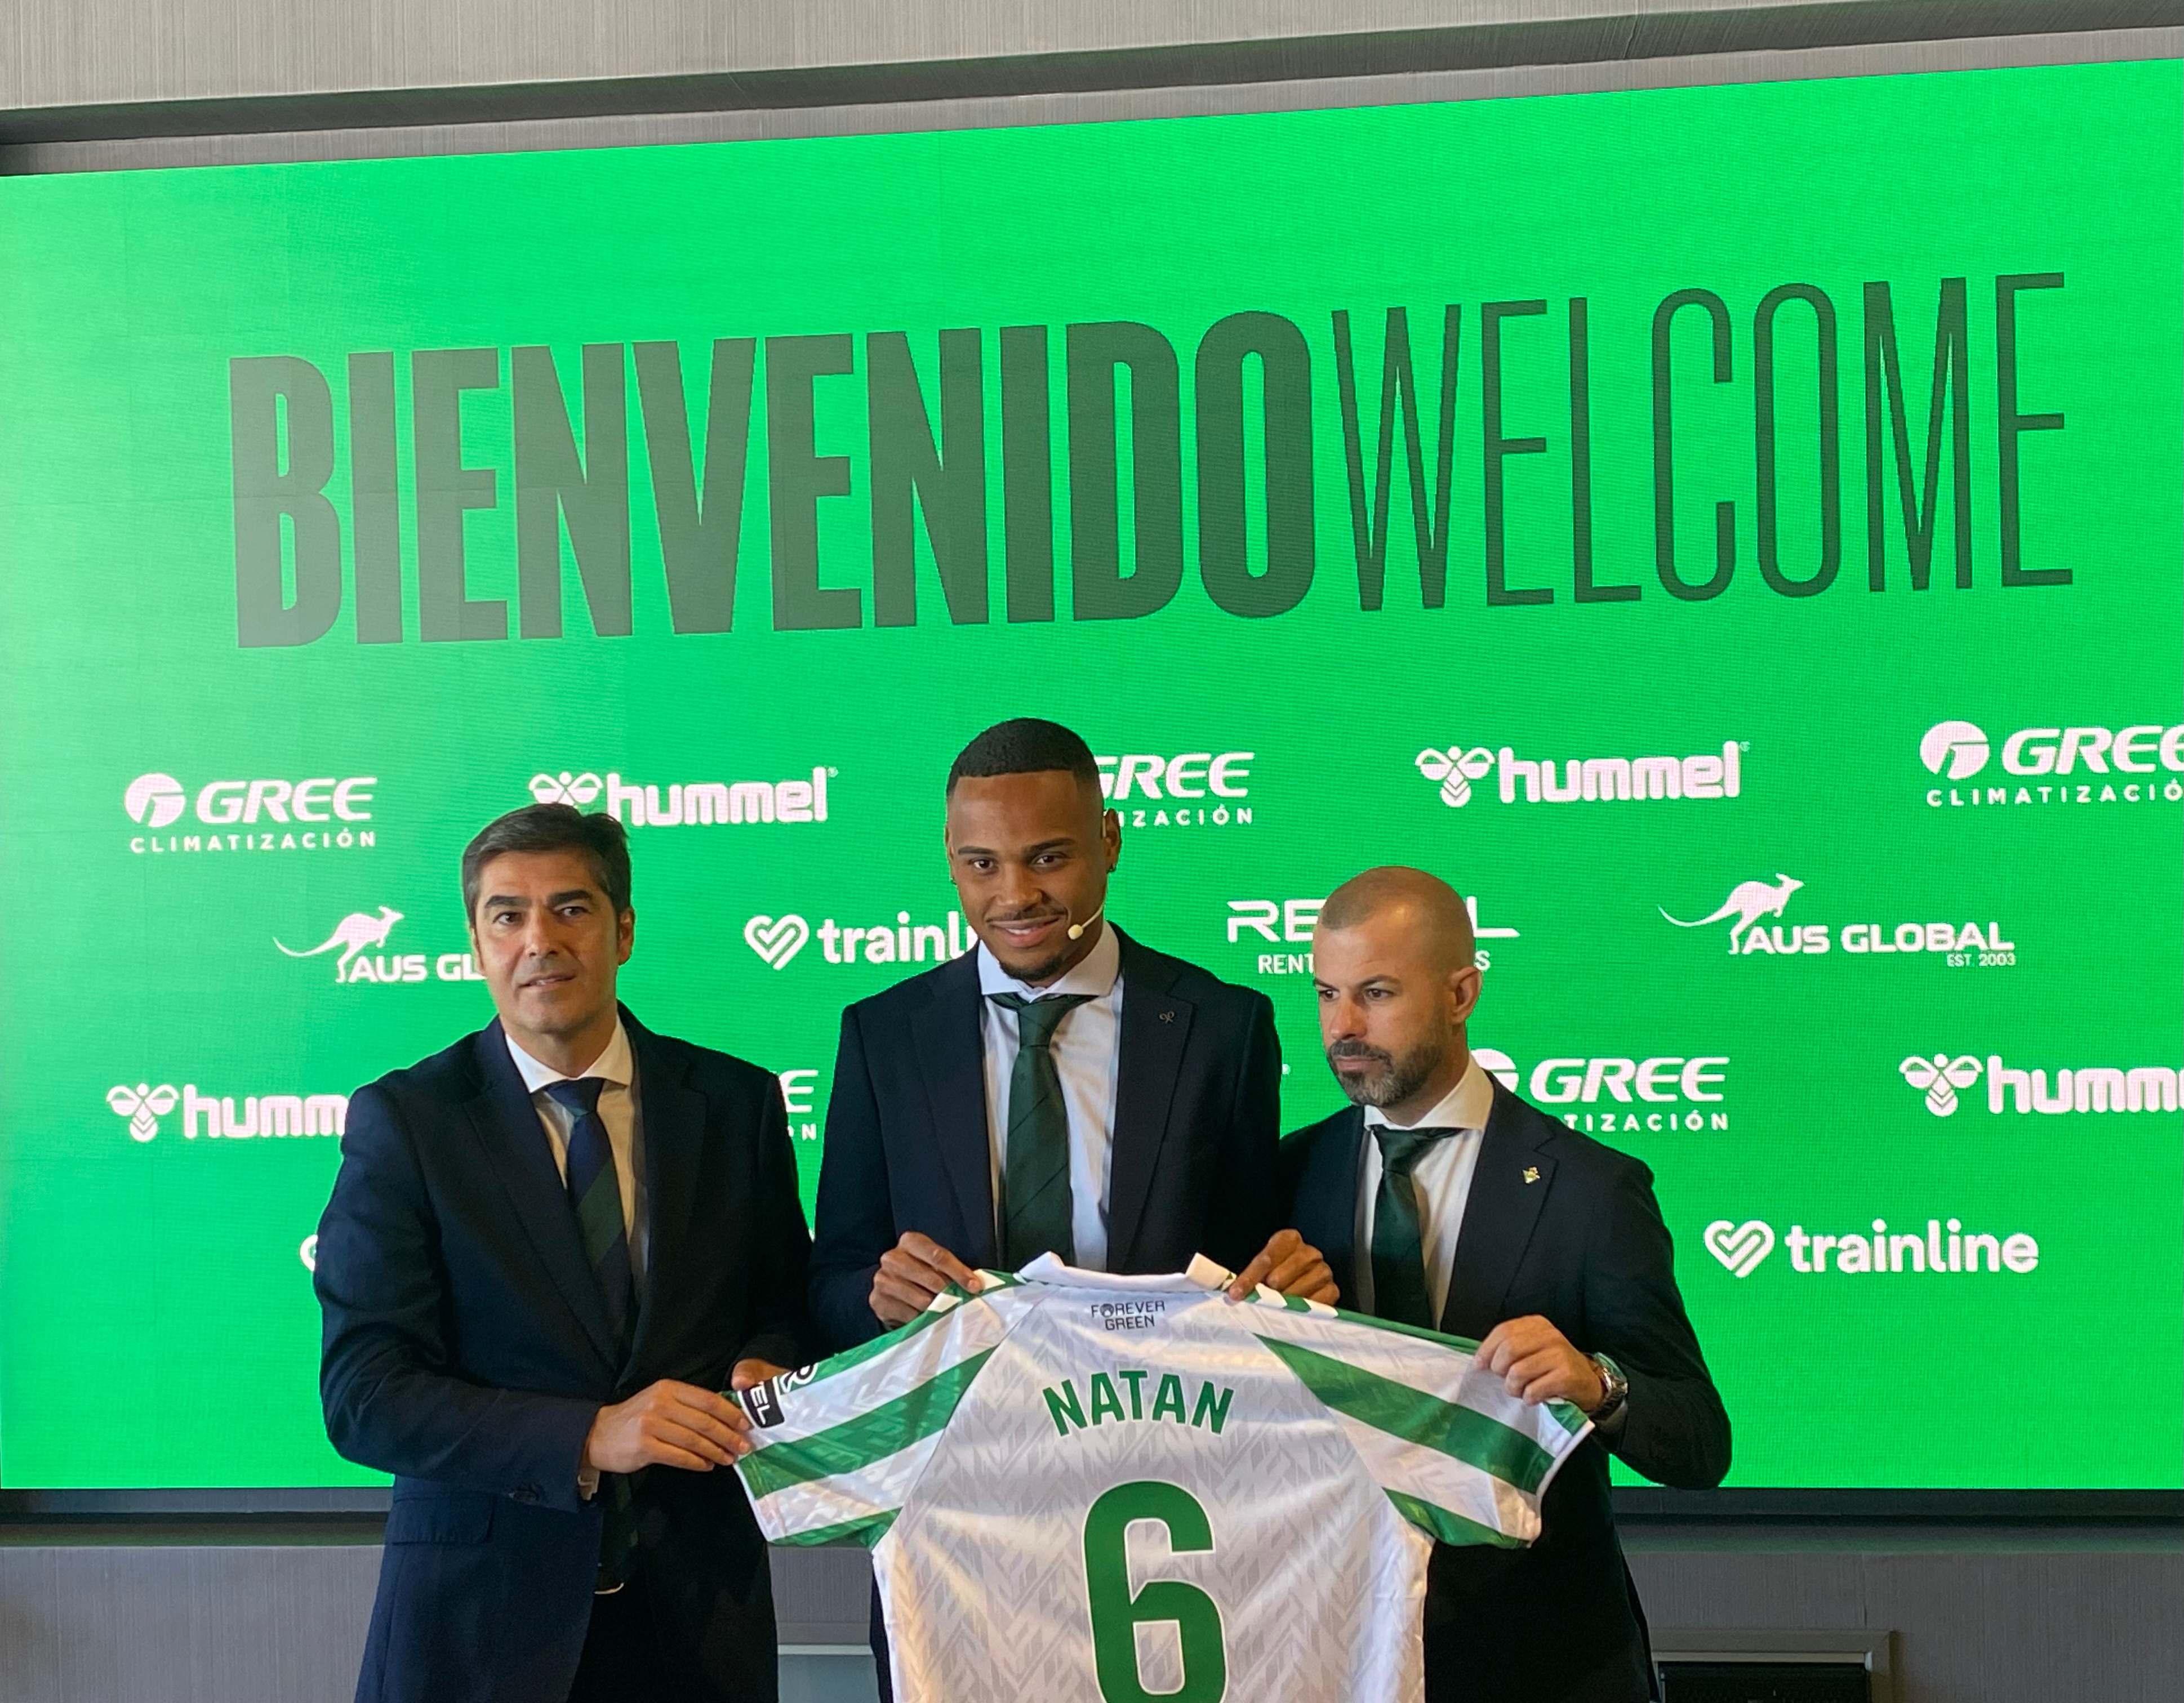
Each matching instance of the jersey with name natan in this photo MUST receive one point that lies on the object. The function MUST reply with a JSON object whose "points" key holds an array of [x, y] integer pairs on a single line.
{"points": [[1087, 1488]]}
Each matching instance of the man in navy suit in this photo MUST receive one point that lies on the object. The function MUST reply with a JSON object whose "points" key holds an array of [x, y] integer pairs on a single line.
{"points": [[1062, 1088], [550, 1249], [1443, 1201]]}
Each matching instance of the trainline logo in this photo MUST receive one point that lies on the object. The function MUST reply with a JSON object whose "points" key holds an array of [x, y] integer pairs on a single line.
{"points": [[2047, 758], [1590, 780], [216, 1117], [312, 814], [2083, 1088], [690, 804], [1944, 1247], [1750, 902], [777, 940]]}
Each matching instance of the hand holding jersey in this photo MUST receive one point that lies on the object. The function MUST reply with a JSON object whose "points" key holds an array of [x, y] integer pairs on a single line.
{"points": [[1082, 1488], [1443, 1199]]}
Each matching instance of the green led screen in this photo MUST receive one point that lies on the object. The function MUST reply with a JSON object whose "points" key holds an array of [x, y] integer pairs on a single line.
{"points": [[1732, 534]]}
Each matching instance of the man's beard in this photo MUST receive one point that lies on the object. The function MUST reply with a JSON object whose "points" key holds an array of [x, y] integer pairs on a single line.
{"points": [[1395, 1080]]}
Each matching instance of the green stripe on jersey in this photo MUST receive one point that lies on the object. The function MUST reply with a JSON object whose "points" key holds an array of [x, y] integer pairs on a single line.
{"points": [[1436, 1522], [835, 1365], [1464, 1434], [1567, 1417], [1393, 1328], [856, 1444], [867, 1529]]}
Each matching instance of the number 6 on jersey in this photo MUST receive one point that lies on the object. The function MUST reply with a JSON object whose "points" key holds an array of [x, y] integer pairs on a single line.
{"points": [[1116, 1615]]}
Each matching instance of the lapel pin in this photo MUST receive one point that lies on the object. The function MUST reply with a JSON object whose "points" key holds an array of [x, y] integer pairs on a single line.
{"points": [[1531, 1173], [1167, 1017]]}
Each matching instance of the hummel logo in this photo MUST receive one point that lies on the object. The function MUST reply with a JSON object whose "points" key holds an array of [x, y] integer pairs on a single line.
{"points": [[1940, 1076], [144, 1106], [566, 788]]}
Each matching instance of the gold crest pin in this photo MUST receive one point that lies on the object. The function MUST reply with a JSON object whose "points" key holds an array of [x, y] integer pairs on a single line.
{"points": [[1531, 1173]]}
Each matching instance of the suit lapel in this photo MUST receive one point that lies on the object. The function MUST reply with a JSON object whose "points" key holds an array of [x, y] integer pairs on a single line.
{"points": [[507, 1129], [1156, 1027], [951, 1058], [1498, 1220], [673, 1128], [1324, 1207]]}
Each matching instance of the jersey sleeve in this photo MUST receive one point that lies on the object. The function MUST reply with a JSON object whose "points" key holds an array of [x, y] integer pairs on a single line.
{"points": [[1460, 1457], [838, 1445]]}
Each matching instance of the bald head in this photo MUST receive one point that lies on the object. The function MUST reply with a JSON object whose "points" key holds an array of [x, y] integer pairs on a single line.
{"points": [[1397, 976], [1424, 906]]}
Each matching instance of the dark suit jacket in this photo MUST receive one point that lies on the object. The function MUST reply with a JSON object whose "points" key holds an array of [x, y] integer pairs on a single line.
{"points": [[1583, 1246], [1197, 1118], [467, 1349]]}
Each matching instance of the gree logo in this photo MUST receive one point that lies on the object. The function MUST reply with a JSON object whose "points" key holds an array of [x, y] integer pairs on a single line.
{"points": [[1958, 750]]}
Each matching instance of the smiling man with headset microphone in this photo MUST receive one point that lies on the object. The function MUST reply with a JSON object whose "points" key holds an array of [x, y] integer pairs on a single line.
{"points": [[1061, 1087]]}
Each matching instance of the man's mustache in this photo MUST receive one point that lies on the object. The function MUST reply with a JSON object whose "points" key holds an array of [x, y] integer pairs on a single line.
{"points": [[1358, 1050]]}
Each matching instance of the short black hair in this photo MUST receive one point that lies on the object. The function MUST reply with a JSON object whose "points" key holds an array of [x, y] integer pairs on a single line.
{"points": [[1025, 746], [550, 828]]}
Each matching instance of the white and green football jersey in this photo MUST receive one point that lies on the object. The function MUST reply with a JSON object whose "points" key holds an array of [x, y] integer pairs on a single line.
{"points": [[1085, 1488]]}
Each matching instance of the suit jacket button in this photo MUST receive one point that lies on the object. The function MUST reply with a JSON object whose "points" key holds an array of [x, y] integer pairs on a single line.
{"points": [[525, 1492]]}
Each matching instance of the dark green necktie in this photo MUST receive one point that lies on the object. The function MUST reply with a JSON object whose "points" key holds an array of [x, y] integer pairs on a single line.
{"points": [[1037, 1206], [1399, 1261]]}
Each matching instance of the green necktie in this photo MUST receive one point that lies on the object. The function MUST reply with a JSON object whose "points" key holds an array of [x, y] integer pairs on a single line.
{"points": [[1399, 1260], [1037, 1206]]}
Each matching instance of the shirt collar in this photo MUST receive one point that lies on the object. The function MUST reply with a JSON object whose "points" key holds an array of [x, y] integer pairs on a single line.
{"points": [[1465, 1106], [615, 1064], [1095, 977]]}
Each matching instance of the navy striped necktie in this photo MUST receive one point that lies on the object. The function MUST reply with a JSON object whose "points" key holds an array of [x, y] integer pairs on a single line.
{"points": [[595, 1194]]}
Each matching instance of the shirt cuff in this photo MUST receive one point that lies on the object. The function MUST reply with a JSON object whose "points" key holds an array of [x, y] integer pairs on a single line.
{"points": [[587, 1482]]}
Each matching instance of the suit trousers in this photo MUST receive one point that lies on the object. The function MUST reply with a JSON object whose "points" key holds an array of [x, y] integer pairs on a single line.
{"points": [[632, 1655]]}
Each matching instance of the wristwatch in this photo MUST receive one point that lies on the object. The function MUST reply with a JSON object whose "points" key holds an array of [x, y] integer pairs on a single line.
{"points": [[1616, 1386]]}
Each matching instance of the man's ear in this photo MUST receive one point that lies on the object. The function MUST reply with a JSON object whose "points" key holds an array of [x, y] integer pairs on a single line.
{"points": [[624, 934]]}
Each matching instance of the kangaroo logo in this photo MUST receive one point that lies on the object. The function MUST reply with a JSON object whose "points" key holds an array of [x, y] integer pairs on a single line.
{"points": [[1939, 1077], [1747, 902], [353, 933], [144, 1106]]}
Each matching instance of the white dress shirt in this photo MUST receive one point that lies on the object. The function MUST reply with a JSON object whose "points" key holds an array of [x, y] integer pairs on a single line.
{"points": [[618, 1110], [1442, 1177], [1088, 1048]]}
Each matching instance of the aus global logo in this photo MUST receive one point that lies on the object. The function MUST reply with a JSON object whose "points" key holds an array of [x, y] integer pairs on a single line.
{"points": [[1751, 907], [2139, 764], [362, 940]]}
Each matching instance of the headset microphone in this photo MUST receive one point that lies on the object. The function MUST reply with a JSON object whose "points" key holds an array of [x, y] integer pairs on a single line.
{"points": [[1076, 929]]}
